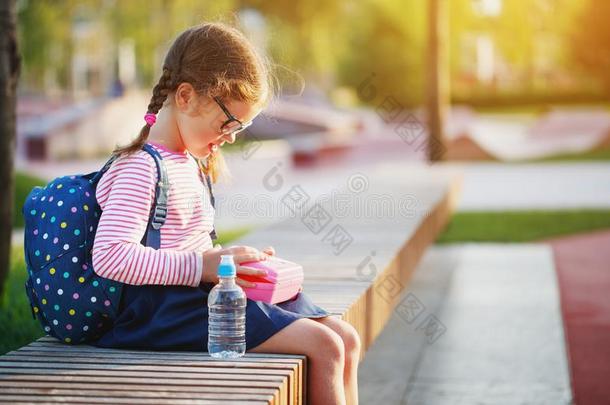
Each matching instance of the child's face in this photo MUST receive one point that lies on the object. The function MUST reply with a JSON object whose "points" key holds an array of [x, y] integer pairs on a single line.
{"points": [[200, 119]]}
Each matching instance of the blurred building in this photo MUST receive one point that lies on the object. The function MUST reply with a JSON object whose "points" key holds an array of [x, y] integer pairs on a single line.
{"points": [[310, 128], [57, 130]]}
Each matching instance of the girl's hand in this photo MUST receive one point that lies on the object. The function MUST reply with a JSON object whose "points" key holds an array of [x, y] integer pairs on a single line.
{"points": [[269, 250], [241, 254]]}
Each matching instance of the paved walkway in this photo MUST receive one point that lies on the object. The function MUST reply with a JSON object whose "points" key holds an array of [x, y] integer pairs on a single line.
{"points": [[503, 342], [503, 186]]}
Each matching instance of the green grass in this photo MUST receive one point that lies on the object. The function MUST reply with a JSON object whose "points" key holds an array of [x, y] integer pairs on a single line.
{"points": [[535, 110], [594, 155], [17, 327], [521, 226], [23, 186], [228, 235]]}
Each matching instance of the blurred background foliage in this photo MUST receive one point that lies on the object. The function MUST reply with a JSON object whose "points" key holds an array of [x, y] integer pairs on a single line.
{"points": [[540, 47]]}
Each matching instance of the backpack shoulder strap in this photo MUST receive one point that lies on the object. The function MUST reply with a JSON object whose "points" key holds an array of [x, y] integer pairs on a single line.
{"points": [[152, 236], [208, 182], [212, 201], [98, 175]]}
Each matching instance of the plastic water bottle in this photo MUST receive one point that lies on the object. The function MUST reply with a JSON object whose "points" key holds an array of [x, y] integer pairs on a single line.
{"points": [[227, 314]]}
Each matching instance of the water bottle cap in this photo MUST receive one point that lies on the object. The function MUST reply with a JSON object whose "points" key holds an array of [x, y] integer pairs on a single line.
{"points": [[226, 268]]}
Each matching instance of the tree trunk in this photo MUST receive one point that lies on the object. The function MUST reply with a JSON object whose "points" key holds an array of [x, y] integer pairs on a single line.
{"points": [[437, 93], [10, 63]]}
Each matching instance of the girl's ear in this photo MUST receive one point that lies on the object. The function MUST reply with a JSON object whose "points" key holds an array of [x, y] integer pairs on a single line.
{"points": [[185, 98]]}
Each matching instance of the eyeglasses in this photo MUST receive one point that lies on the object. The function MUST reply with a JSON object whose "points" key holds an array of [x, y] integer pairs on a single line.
{"points": [[232, 125]]}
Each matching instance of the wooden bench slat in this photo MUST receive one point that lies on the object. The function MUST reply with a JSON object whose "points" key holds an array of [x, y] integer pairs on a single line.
{"points": [[12, 399], [35, 368], [96, 385], [246, 361], [9, 361], [118, 359], [132, 394], [119, 379], [50, 342], [280, 387]]}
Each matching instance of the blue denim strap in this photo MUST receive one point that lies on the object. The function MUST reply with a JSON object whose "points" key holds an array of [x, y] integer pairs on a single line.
{"points": [[159, 208]]}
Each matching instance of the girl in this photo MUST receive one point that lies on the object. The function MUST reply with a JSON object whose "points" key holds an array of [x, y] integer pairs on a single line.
{"points": [[213, 85]]}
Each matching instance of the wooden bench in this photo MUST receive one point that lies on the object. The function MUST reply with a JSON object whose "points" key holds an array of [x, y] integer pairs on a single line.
{"points": [[361, 284], [48, 370]]}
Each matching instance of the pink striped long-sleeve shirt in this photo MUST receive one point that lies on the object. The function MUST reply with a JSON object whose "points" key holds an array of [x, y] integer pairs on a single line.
{"points": [[125, 194]]}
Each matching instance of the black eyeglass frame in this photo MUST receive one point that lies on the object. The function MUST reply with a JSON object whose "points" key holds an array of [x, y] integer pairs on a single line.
{"points": [[231, 118]]}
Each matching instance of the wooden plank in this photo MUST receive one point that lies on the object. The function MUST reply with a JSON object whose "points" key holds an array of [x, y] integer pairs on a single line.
{"points": [[289, 377], [167, 389], [58, 356], [203, 378], [279, 388], [51, 342], [118, 379], [12, 399], [249, 358], [166, 365], [284, 381], [112, 393], [24, 382], [152, 371]]}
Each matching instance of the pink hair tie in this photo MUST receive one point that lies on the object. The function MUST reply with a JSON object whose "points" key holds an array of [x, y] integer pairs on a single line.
{"points": [[150, 118]]}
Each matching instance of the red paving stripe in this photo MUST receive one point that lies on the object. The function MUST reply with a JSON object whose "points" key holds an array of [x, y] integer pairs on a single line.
{"points": [[583, 270]]}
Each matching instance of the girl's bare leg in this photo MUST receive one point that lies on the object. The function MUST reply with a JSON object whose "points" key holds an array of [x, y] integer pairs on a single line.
{"points": [[325, 354], [351, 342]]}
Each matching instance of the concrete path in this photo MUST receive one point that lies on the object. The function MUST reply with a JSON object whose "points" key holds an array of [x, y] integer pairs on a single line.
{"points": [[504, 186], [502, 338]]}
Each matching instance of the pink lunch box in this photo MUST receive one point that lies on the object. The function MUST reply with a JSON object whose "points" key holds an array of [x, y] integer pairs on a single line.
{"points": [[283, 281]]}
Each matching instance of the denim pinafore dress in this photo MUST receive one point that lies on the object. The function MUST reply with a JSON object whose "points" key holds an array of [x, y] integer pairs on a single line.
{"points": [[169, 317]]}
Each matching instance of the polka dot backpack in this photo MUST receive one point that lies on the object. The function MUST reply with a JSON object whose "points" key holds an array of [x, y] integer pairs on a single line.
{"points": [[69, 299]]}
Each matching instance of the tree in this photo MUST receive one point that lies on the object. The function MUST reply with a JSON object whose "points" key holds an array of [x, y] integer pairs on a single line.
{"points": [[44, 34], [10, 63], [590, 41], [308, 36], [438, 78], [388, 42]]}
